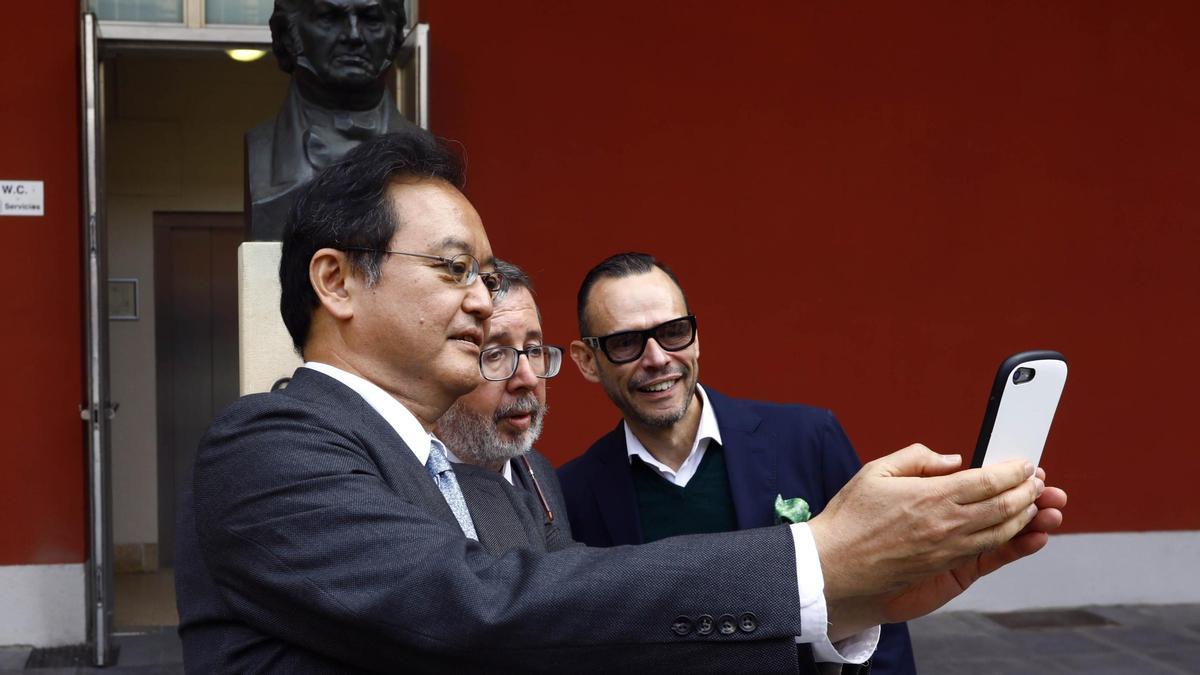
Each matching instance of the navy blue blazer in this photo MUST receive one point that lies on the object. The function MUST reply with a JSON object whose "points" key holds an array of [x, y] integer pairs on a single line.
{"points": [[770, 449]]}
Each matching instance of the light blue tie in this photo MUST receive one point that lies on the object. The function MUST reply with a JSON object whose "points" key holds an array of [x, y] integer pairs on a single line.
{"points": [[439, 467]]}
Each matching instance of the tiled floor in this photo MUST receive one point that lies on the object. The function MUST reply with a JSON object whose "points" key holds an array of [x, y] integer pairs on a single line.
{"points": [[144, 600], [1137, 640]]}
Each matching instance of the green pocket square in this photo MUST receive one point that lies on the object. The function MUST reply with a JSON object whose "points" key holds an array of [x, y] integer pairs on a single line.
{"points": [[794, 510]]}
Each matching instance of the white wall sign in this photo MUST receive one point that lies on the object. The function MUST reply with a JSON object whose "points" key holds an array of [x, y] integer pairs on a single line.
{"points": [[22, 198]]}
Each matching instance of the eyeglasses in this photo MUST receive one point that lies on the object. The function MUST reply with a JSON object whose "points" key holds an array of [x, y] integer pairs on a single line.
{"points": [[500, 363], [462, 268], [629, 345]]}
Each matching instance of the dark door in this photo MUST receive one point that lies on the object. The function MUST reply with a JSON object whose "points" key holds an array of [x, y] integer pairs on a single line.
{"points": [[195, 301]]}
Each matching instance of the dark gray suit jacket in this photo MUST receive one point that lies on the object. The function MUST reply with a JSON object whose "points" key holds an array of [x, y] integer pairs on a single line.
{"points": [[547, 478], [507, 517], [314, 541]]}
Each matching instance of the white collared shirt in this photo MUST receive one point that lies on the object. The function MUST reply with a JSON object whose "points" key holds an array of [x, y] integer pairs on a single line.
{"points": [[707, 432], [814, 620]]}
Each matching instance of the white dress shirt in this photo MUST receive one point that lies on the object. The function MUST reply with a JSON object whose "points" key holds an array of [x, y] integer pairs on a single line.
{"points": [[814, 620]]}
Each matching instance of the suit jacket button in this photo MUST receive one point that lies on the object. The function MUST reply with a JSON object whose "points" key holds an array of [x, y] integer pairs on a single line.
{"points": [[681, 626], [748, 623], [726, 624], [705, 624]]}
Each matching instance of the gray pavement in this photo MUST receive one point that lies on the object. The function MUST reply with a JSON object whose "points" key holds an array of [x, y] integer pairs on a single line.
{"points": [[1139, 639], [1124, 639]]}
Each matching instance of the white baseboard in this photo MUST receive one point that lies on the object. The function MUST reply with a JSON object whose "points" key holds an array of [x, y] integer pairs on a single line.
{"points": [[1094, 569], [43, 605]]}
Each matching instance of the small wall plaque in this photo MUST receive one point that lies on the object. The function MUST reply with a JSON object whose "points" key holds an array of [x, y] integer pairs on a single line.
{"points": [[22, 198], [123, 299]]}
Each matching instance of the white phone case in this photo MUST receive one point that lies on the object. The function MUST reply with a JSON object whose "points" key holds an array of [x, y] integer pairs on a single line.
{"points": [[1019, 414]]}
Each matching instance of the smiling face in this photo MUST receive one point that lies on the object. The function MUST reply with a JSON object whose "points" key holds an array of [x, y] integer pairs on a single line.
{"points": [[657, 389], [501, 420], [415, 332], [346, 43]]}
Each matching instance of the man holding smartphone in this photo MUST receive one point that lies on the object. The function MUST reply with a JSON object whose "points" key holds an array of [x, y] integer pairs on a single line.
{"points": [[325, 531]]}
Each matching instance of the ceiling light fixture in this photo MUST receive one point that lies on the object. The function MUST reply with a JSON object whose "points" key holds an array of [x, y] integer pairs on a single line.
{"points": [[245, 55]]}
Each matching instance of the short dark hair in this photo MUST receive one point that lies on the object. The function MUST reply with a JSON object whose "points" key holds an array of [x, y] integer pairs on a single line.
{"points": [[616, 267], [514, 277], [285, 40], [346, 206]]}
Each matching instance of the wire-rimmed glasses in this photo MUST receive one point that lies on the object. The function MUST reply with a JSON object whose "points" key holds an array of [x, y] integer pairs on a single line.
{"points": [[462, 268]]}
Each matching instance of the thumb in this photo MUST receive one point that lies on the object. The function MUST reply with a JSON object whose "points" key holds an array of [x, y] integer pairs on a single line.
{"points": [[916, 460]]}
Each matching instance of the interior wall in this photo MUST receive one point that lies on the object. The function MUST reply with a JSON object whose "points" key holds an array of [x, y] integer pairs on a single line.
{"points": [[870, 206], [175, 129], [42, 470]]}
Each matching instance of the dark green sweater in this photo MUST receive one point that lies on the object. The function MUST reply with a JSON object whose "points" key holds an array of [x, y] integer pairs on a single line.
{"points": [[704, 505]]}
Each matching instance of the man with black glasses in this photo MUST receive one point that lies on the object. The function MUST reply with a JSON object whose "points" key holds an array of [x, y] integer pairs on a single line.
{"points": [[493, 428], [686, 459]]}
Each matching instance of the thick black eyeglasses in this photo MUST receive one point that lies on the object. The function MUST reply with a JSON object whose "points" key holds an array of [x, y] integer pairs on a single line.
{"points": [[629, 345], [462, 268], [500, 363]]}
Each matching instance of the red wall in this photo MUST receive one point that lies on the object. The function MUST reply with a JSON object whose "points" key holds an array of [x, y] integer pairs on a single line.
{"points": [[870, 206], [42, 464]]}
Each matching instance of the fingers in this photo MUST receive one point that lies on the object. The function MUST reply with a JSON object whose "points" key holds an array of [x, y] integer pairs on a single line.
{"points": [[1020, 546], [976, 485], [997, 535], [1046, 520], [1052, 498], [915, 460], [1012, 503]]}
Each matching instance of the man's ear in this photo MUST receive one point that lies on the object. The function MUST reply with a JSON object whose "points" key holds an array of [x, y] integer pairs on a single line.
{"points": [[333, 282], [585, 360]]}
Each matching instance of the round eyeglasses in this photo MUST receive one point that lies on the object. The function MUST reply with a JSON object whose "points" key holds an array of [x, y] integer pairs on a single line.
{"points": [[462, 268], [628, 345], [500, 363]]}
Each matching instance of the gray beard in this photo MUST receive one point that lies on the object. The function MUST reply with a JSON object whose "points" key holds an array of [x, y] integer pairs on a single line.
{"points": [[473, 438]]}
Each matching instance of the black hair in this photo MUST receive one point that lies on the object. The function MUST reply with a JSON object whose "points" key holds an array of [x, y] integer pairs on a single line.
{"points": [[616, 267], [346, 206]]}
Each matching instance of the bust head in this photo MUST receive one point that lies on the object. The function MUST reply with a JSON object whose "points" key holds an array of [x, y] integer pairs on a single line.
{"points": [[338, 45]]}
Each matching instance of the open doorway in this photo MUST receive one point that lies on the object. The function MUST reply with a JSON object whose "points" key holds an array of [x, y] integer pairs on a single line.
{"points": [[174, 168]]}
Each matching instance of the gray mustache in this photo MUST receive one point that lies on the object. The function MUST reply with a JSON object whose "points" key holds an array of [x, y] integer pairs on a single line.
{"points": [[528, 404]]}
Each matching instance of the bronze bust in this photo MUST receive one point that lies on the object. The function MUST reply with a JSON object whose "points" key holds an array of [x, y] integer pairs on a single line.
{"points": [[339, 54]]}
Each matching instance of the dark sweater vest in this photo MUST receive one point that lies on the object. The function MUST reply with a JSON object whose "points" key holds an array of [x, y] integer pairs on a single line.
{"points": [[704, 505]]}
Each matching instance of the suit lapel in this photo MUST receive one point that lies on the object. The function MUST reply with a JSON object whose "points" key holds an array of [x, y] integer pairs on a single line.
{"points": [[750, 459], [500, 524], [398, 466], [612, 486]]}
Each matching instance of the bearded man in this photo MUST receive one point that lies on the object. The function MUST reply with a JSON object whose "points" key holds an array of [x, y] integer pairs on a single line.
{"points": [[495, 426]]}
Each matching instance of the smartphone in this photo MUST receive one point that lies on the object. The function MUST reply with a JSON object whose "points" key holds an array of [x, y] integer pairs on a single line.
{"points": [[1021, 408]]}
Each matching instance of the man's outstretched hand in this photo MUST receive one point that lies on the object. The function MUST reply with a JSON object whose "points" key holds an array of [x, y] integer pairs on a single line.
{"points": [[928, 594], [910, 532]]}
